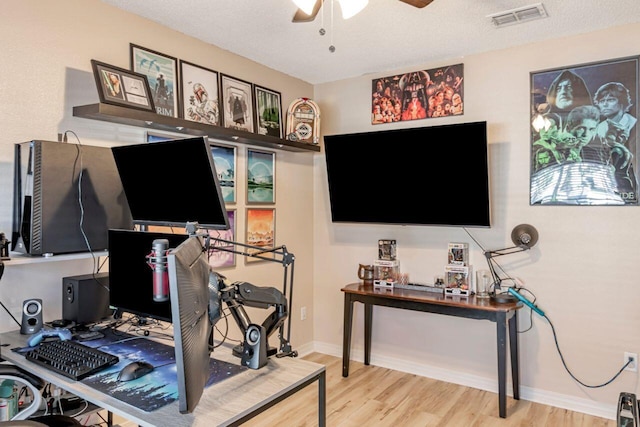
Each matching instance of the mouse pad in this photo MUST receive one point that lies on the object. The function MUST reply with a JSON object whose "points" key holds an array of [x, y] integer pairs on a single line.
{"points": [[157, 388]]}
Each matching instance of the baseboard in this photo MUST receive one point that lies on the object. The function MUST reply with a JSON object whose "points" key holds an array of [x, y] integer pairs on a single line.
{"points": [[572, 403]]}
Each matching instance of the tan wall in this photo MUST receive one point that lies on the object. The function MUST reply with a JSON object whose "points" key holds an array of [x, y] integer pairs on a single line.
{"points": [[46, 53], [583, 270]]}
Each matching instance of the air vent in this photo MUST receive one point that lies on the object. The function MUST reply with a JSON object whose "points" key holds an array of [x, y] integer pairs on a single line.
{"points": [[519, 15]]}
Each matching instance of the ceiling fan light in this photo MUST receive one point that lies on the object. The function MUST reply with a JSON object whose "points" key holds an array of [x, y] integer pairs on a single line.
{"points": [[305, 5], [352, 7]]}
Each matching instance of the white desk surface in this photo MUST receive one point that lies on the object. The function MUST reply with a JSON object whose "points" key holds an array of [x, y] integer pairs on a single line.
{"points": [[221, 404]]}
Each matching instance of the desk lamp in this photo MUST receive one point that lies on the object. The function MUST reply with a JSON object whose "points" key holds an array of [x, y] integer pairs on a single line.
{"points": [[524, 237]]}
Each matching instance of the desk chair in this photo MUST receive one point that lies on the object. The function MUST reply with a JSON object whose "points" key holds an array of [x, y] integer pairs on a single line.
{"points": [[35, 385]]}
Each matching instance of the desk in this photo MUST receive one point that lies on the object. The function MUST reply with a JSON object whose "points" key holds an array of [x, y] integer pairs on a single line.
{"points": [[228, 403], [469, 307]]}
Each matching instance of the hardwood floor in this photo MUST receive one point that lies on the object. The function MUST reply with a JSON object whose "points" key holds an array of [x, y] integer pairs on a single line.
{"points": [[374, 396]]}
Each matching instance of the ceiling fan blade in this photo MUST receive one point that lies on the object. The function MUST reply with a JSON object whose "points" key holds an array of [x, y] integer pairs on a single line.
{"points": [[418, 3], [300, 16]]}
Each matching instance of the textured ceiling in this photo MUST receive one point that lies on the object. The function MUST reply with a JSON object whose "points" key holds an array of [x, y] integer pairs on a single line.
{"points": [[387, 35]]}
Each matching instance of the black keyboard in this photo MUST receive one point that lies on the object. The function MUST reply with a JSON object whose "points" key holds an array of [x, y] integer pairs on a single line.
{"points": [[71, 359]]}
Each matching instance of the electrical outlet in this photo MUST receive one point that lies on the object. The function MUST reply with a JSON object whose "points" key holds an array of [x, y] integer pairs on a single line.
{"points": [[303, 313], [633, 366]]}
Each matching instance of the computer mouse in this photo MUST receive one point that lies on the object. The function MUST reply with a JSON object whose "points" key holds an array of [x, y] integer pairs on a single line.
{"points": [[135, 370]]}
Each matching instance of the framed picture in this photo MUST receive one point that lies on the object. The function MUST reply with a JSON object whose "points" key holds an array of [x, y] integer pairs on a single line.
{"points": [[260, 230], [199, 89], [268, 111], [224, 158], [261, 176], [159, 136], [218, 258], [118, 86], [584, 146], [162, 72], [237, 103]]}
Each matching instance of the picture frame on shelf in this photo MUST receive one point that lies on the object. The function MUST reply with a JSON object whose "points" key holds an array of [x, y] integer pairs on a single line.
{"points": [[261, 168], [162, 73], [237, 103], [268, 111], [151, 136], [117, 86], [218, 258], [260, 231], [225, 160], [199, 94]]}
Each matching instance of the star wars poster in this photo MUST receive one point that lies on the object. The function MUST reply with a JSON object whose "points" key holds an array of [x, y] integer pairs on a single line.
{"points": [[161, 71], [425, 94], [583, 134]]}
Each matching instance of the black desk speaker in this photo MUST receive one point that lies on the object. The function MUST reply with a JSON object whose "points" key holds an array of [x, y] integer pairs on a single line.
{"points": [[85, 298], [31, 316]]}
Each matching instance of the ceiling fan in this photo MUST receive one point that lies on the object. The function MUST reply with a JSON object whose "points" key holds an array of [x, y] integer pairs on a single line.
{"points": [[301, 16]]}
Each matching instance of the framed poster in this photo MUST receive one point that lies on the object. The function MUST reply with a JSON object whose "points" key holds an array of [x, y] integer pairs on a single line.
{"points": [[151, 136], [260, 231], [261, 176], [199, 88], [162, 72], [424, 94], [224, 158], [237, 103], [218, 258], [584, 146], [268, 111], [118, 86]]}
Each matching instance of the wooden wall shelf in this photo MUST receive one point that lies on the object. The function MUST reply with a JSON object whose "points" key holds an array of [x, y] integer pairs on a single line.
{"points": [[149, 120]]}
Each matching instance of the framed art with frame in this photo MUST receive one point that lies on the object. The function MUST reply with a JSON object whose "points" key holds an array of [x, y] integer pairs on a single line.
{"points": [[225, 160], [218, 258], [260, 230], [199, 89], [237, 103], [118, 86], [268, 111], [583, 134], [261, 177], [151, 136], [162, 72]]}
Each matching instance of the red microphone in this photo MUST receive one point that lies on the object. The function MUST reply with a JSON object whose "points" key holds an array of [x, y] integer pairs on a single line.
{"points": [[158, 262]]}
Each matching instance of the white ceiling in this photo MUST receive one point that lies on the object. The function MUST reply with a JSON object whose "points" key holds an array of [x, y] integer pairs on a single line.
{"points": [[387, 35]]}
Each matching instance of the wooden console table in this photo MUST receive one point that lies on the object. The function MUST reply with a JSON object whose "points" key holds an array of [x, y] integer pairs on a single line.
{"points": [[504, 316]]}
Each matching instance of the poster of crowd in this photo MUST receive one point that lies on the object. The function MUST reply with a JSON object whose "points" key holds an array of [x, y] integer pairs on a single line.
{"points": [[425, 94]]}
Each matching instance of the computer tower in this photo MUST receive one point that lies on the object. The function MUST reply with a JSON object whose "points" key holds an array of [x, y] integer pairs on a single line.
{"points": [[85, 298], [66, 197]]}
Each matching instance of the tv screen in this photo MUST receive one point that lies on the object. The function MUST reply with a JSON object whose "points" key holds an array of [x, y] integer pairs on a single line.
{"points": [[171, 183], [435, 175]]}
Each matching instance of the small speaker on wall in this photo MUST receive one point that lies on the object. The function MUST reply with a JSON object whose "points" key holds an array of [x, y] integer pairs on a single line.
{"points": [[31, 316]]}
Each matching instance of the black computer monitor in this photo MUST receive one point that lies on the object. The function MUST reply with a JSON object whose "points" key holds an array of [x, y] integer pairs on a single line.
{"points": [[131, 277], [189, 292]]}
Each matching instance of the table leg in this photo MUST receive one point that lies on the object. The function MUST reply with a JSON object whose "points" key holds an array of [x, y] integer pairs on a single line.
{"points": [[346, 343], [513, 345], [368, 318], [501, 328], [322, 400]]}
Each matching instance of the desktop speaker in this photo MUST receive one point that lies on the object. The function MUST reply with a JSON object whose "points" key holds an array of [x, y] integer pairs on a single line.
{"points": [[85, 298], [254, 353], [31, 316]]}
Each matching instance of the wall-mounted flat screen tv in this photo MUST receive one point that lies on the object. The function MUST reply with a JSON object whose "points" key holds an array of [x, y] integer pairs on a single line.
{"points": [[437, 175]]}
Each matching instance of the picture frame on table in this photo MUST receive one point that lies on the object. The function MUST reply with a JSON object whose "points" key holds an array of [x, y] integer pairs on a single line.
{"points": [[117, 86], [268, 111], [162, 73], [260, 231], [220, 258], [199, 94], [237, 103], [225, 160], [261, 174]]}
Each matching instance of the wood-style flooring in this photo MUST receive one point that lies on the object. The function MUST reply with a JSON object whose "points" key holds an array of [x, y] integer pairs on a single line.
{"points": [[374, 396]]}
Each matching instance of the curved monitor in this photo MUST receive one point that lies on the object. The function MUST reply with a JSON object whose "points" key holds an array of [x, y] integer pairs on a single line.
{"points": [[172, 183], [189, 295]]}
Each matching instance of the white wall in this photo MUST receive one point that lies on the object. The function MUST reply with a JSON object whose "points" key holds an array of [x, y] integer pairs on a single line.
{"points": [[46, 53], [583, 270]]}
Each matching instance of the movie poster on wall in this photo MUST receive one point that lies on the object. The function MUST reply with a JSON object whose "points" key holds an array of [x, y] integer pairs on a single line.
{"points": [[424, 94], [584, 149]]}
